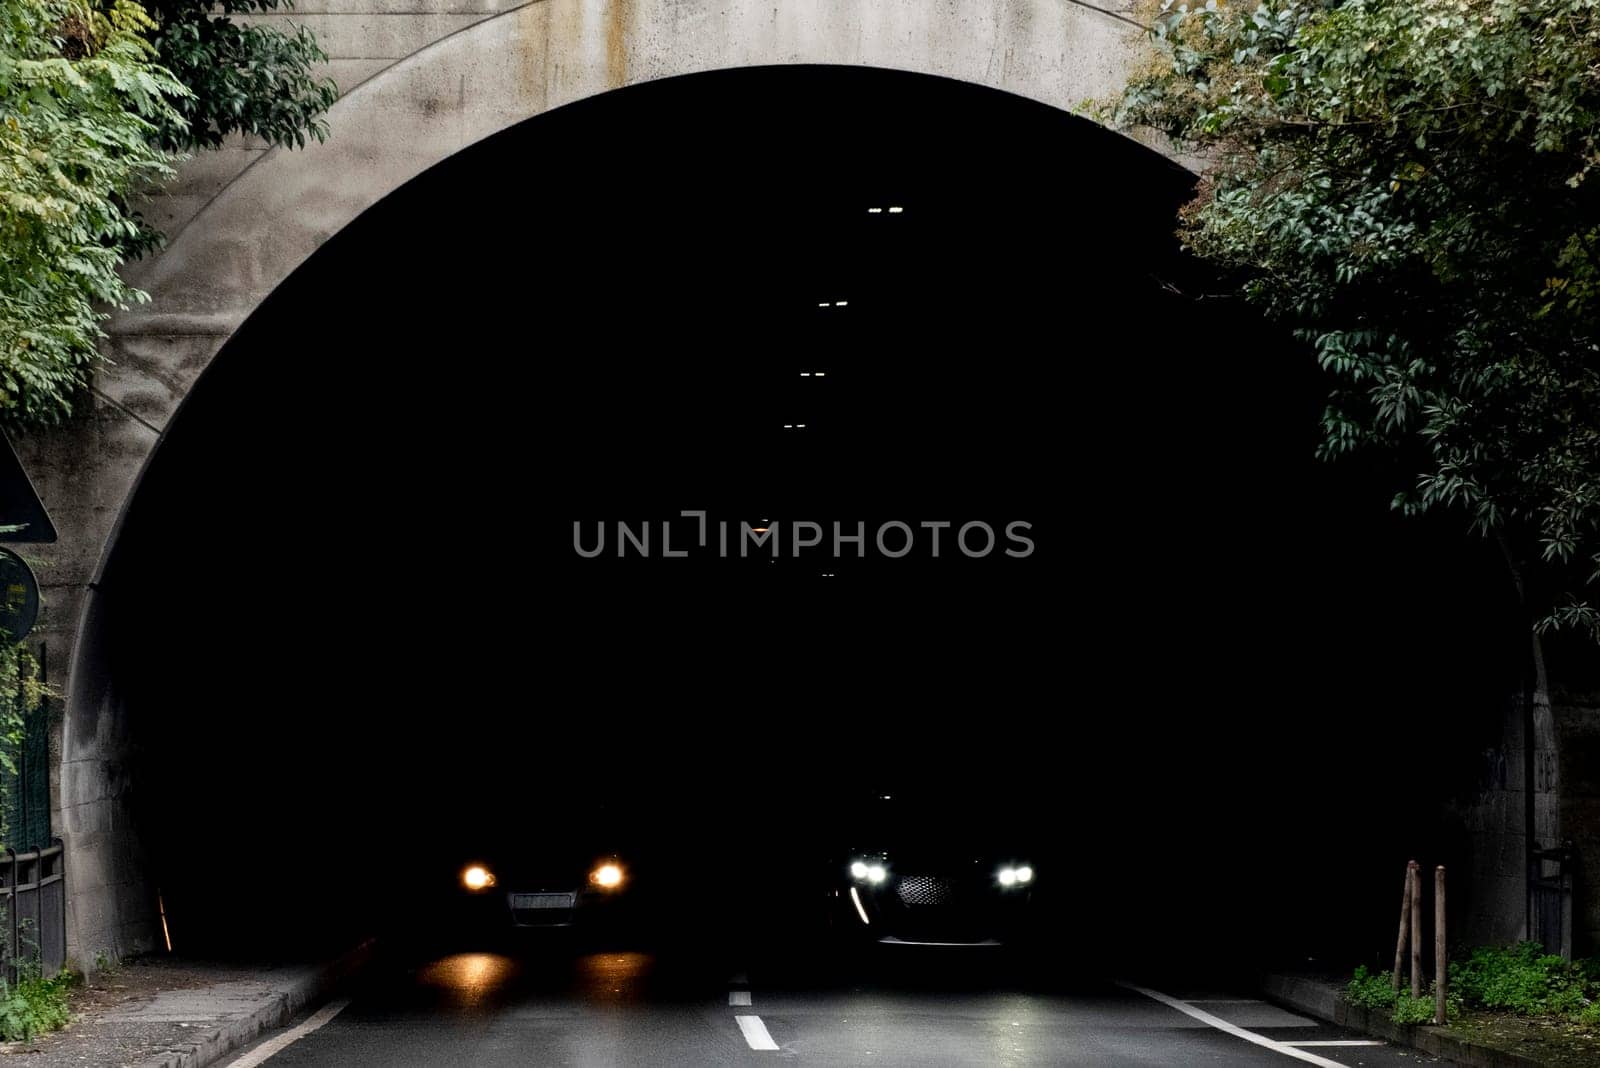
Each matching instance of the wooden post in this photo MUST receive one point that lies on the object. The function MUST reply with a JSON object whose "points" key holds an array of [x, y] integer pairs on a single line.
{"points": [[1416, 930], [1441, 966], [1405, 927]]}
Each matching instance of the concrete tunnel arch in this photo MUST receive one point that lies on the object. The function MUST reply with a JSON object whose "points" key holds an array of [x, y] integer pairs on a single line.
{"points": [[1097, 181], [222, 266]]}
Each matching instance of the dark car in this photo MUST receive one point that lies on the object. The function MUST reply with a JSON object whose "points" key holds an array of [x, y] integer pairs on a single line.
{"points": [[921, 873], [618, 872], [544, 885]]}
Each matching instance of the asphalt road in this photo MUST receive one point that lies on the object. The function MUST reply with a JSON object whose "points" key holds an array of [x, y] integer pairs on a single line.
{"points": [[543, 1006]]}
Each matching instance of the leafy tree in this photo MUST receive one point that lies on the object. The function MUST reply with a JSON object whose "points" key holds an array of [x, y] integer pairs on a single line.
{"points": [[96, 99], [242, 78], [81, 103], [1407, 184]]}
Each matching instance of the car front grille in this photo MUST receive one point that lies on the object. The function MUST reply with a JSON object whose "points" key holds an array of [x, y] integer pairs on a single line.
{"points": [[924, 890]]}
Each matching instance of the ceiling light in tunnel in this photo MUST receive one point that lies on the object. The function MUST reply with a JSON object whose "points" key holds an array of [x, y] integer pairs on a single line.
{"points": [[825, 304], [822, 374], [841, 304], [805, 374], [896, 211], [874, 211]]}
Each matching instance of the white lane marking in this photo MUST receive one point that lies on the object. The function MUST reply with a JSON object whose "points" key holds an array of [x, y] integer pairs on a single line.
{"points": [[1339, 1042], [1223, 1001], [1232, 1029], [755, 1033], [738, 997], [272, 1047]]}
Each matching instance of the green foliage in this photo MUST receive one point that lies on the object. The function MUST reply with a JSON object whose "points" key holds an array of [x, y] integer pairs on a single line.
{"points": [[1406, 184], [33, 1005], [243, 77], [1410, 1010], [96, 97], [21, 692], [1524, 980], [1376, 992], [1369, 991], [80, 99]]}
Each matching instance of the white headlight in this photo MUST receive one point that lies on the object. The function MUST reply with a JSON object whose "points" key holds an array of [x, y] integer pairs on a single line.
{"points": [[1024, 874], [859, 869], [876, 874], [1008, 877]]}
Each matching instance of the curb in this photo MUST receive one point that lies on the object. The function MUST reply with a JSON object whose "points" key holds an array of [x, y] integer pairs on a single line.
{"points": [[1322, 1000], [277, 1011]]}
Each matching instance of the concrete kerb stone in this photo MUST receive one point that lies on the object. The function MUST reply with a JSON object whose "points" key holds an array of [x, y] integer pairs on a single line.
{"points": [[276, 1010]]}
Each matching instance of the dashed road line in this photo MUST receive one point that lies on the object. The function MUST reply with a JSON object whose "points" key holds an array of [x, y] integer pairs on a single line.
{"points": [[738, 997], [1223, 1001], [756, 1036], [1233, 1029], [1338, 1042]]}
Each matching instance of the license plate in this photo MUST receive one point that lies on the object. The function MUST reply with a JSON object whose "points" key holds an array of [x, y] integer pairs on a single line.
{"points": [[541, 901]]}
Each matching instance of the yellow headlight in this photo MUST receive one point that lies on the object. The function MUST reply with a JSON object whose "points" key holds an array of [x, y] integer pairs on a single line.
{"points": [[477, 878], [607, 875]]}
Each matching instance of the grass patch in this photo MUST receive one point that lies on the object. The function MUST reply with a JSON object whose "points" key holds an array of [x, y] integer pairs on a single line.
{"points": [[1527, 981], [33, 1005], [1516, 998], [1373, 991]]}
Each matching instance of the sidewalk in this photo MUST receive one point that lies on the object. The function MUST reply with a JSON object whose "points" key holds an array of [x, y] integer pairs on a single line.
{"points": [[161, 1012]]}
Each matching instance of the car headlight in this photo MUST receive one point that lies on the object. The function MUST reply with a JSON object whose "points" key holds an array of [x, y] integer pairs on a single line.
{"points": [[868, 871], [1015, 875], [477, 877], [607, 876]]}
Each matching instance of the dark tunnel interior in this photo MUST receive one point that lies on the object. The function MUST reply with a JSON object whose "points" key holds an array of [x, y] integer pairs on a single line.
{"points": [[354, 636]]}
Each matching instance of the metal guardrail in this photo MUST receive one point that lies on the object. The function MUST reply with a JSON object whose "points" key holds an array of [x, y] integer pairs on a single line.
{"points": [[33, 910]]}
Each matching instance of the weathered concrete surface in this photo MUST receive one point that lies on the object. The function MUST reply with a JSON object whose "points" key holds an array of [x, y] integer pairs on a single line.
{"points": [[1494, 820], [422, 79], [1577, 719]]}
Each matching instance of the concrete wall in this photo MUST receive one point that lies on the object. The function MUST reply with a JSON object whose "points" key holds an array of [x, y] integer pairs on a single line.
{"points": [[421, 79], [1494, 818], [1577, 720]]}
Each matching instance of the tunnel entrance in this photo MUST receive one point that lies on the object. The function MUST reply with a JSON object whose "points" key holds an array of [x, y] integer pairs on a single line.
{"points": [[352, 629]]}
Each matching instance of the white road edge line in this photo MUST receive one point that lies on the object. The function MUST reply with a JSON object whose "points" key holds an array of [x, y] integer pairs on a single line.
{"points": [[1232, 1029], [756, 1036], [738, 997], [273, 1047], [1339, 1042]]}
